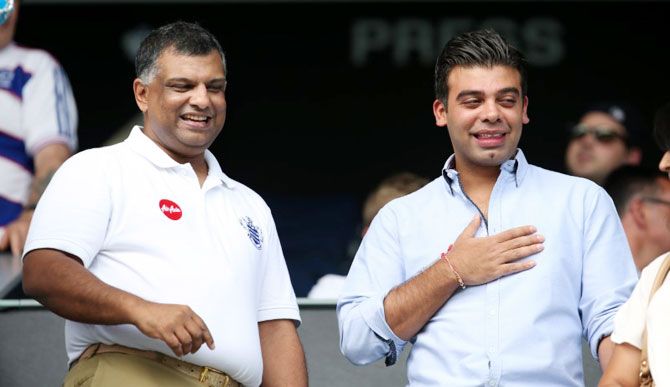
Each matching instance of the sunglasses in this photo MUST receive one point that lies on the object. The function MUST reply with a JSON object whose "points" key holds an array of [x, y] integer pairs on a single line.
{"points": [[601, 134]]}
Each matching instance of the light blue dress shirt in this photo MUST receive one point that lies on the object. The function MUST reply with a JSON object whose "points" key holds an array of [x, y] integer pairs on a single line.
{"points": [[524, 329]]}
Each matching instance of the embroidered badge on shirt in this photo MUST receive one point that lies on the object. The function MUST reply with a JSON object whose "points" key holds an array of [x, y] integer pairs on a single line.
{"points": [[253, 232], [170, 209]]}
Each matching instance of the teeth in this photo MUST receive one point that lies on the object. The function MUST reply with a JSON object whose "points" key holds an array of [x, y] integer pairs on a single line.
{"points": [[194, 117], [489, 135]]}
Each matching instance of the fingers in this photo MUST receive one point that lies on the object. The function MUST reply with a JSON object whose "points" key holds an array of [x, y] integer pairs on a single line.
{"points": [[471, 229], [176, 325], [173, 342], [513, 233], [16, 241], [516, 267], [535, 241], [185, 340], [4, 240], [206, 335]]}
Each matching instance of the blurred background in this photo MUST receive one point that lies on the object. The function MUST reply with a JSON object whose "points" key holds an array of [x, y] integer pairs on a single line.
{"points": [[326, 98]]}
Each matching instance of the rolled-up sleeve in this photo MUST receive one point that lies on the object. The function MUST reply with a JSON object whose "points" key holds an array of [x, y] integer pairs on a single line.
{"points": [[365, 336], [608, 270]]}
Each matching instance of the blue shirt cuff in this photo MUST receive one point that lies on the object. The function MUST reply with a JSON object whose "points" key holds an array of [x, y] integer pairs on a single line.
{"points": [[372, 311]]}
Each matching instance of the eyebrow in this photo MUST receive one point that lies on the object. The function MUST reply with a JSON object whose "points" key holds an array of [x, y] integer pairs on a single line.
{"points": [[187, 80], [477, 93]]}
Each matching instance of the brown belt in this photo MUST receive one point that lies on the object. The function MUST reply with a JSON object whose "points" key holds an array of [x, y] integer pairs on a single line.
{"points": [[209, 376]]}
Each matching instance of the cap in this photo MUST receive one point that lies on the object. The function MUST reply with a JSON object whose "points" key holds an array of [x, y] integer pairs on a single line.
{"points": [[6, 9], [623, 113]]}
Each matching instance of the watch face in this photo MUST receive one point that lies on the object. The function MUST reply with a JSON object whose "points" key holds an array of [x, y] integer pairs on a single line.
{"points": [[6, 8]]}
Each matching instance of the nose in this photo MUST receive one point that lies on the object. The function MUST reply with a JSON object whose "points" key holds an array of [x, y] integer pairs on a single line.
{"points": [[664, 165], [200, 97], [490, 112]]}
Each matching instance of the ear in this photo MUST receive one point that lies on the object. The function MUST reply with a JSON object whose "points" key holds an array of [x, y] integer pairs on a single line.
{"points": [[141, 94], [525, 118], [440, 113], [634, 156], [636, 212]]}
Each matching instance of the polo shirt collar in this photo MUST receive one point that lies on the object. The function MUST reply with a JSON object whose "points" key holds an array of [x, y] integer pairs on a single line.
{"points": [[143, 145], [516, 166]]}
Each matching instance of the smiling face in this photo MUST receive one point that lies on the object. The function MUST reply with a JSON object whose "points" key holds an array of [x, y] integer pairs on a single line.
{"points": [[184, 104], [484, 114]]}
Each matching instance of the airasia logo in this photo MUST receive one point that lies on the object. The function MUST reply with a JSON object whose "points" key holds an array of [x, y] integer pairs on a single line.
{"points": [[170, 209]]}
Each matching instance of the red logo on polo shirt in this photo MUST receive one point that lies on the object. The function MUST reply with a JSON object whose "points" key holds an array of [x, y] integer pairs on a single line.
{"points": [[170, 209]]}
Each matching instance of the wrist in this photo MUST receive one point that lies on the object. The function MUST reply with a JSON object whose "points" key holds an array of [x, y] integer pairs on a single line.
{"points": [[445, 257]]}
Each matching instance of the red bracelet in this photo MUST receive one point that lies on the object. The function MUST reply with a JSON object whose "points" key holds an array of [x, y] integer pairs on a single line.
{"points": [[458, 276]]}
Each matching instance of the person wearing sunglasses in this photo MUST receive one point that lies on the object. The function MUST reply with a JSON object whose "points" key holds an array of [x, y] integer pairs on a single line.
{"points": [[642, 325], [642, 198], [603, 140]]}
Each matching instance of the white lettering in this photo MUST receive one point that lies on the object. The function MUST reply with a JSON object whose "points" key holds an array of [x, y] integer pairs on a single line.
{"points": [[171, 209]]}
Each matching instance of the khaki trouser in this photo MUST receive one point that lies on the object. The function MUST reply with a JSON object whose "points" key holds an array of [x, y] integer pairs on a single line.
{"points": [[121, 369]]}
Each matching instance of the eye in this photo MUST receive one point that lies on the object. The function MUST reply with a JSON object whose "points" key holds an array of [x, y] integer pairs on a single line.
{"points": [[180, 87], [471, 102], [216, 89], [508, 102]]}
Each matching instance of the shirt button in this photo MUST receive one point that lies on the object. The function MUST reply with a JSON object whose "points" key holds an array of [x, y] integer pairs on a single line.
{"points": [[492, 349], [492, 383], [492, 312]]}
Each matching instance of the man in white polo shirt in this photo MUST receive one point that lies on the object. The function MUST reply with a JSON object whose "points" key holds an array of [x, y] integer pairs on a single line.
{"points": [[150, 251]]}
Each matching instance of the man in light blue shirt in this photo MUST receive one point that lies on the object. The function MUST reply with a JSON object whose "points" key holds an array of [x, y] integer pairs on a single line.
{"points": [[496, 269]]}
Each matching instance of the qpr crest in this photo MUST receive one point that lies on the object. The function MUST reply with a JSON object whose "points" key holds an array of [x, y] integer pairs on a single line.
{"points": [[253, 232]]}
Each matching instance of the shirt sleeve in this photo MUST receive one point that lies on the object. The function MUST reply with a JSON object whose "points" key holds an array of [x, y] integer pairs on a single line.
{"points": [[608, 273], [49, 109], [630, 319], [365, 336], [277, 297], [73, 214]]}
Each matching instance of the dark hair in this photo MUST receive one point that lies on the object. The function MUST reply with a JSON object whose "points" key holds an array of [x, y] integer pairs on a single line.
{"points": [[484, 48], [184, 38], [626, 182], [662, 127]]}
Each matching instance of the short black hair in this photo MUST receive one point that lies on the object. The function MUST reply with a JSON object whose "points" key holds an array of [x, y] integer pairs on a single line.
{"points": [[662, 127], [183, 37], [484, 48], [625, 182]]}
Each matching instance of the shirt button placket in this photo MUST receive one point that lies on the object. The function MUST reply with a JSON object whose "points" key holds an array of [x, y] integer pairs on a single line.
{"points": [[492, 330]]}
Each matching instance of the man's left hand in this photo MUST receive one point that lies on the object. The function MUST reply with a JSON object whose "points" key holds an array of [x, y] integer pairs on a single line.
{"points": [[14, 237]]}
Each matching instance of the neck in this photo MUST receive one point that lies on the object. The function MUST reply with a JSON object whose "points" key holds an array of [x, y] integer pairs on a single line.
{"points": [[477, 183], [643, 250], [201, 169]]}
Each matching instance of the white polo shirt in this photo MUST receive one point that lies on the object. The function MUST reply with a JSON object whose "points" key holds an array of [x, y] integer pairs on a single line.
{"points": [[141, 222]]}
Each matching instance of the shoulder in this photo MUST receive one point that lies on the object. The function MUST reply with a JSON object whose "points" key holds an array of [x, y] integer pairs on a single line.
{"points": [[94, 159], [552, 182], [417, 201], [35, 59], [651, 270], [246, 196]]}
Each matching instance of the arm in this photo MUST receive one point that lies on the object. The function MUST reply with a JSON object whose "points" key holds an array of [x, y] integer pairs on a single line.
{"points": [[477, 260], [377, 316], [283, 356], [605, 351], [60, 282], [47, 161], [608, 273], [623, 369]]}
